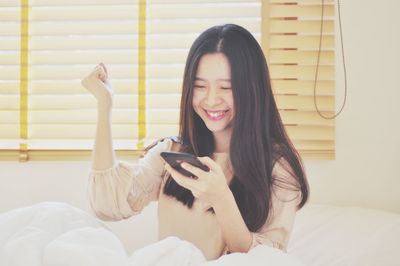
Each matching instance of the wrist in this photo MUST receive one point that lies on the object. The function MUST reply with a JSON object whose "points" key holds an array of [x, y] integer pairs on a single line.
{"points": [[104, 108], [225, 200]]}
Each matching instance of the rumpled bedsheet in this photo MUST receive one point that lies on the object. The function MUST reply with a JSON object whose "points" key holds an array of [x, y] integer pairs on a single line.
{"points": [[58, 234]]}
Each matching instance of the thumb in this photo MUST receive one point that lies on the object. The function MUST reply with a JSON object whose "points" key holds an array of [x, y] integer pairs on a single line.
{"points": [[104, 67], [101, 74]]}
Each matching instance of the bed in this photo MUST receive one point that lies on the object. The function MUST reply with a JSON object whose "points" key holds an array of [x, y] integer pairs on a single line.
{"points": [[328, 235], [55, 233]]}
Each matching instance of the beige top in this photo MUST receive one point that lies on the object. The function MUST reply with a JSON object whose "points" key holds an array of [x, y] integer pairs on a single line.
{"points": [[125, 189]]}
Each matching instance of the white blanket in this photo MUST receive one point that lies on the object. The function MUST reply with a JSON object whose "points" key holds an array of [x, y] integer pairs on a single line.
{"points": [[55, 234]]}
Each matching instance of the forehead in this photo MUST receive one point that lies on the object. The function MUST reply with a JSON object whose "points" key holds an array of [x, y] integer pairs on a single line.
{"points": [[213, 67]]}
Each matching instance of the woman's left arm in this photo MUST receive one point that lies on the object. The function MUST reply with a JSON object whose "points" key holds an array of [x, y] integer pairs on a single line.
{"points": [[285, 199], [276, 231], [212, 188], [236, 234]]}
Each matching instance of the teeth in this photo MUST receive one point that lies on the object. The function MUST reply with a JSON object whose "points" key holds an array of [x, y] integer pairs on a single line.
{"points": [[215, 114]]}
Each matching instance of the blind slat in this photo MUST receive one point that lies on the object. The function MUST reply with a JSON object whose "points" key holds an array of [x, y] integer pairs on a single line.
{"points": [[9, 102], [301, 57], [9, 117], [315, 145], [9, 14], [80, 28], [80, 2], [9, 58], [307, 42], [83, 131], [116, 56], [9, 43], [303, 87], [121, 86], [55, 102], [302, 2], [302, 72], [299, 26], [311, 133], [10, 72], [9, 131], [301, 10]]}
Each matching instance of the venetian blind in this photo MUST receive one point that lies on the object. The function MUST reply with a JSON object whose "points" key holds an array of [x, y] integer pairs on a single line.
{"points": [[68, 37], [291, 37]]}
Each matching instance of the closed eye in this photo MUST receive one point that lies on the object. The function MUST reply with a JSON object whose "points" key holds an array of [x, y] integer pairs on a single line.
{"points": [[199, 86]]}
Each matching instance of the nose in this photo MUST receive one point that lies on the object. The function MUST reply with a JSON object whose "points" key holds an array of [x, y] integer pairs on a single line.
{"points": [[213, 98]]}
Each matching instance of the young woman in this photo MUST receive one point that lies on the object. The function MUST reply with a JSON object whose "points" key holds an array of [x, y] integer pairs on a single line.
{"points": [[229, 119]]}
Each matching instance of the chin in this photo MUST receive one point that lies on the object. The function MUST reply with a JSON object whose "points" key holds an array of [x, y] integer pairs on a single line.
{"points": [[218, 128]]}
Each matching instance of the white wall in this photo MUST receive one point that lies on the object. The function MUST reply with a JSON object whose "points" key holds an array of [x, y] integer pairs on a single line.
{"points": [[365, 172]]}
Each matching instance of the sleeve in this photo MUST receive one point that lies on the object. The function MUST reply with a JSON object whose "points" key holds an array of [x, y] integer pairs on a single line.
{"points": [[285, 198], [125, 189]]}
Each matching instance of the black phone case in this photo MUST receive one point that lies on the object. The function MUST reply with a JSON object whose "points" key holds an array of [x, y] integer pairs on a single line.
{"points": [[174, 159]]}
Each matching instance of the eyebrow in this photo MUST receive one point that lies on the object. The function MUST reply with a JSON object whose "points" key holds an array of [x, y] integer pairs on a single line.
{"points": [[197, 78]]}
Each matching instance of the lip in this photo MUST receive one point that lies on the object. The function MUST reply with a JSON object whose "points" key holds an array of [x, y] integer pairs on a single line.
{"points": [[216, 115]]}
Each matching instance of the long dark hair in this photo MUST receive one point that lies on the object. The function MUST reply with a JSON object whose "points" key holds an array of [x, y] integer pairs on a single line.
{"points": [[258, 138]]}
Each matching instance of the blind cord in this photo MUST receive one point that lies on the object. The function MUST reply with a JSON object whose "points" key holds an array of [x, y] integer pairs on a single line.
{"points": [[318, 58]]}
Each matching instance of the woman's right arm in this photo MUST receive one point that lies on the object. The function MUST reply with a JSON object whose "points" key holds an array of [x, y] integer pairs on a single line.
{"points": [[118, 189], [103, 154], [98, 83]]}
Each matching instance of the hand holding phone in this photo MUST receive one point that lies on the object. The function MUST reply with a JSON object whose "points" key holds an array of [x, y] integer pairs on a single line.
{"points": [[174, 159]]}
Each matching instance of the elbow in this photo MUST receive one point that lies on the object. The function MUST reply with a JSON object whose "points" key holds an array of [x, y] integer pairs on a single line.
{"points": [[104, 213], [106, 202], [242, 247], [106, 208]]}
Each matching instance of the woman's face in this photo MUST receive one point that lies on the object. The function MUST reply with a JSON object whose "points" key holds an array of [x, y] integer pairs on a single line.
{"points": [[212, 92]]}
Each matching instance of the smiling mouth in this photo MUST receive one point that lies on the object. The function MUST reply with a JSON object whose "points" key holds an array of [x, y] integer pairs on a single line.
{"points": [[216, 115]]}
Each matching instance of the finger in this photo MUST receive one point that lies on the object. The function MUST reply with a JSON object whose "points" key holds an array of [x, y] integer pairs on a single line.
{"points": [[193, 169], [104, 67], [209, 162], [182, 180], [101, 74], [96, 71]]}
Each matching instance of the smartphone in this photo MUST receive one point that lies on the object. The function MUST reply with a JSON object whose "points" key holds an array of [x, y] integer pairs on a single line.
{"points": [[174, 159]]}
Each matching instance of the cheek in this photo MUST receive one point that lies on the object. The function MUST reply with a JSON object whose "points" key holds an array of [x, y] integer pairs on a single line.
{"points": [[196, 100], [230, 102]]}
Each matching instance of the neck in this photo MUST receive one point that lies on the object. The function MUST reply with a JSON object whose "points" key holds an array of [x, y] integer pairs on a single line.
{"points": [[222, 140]]}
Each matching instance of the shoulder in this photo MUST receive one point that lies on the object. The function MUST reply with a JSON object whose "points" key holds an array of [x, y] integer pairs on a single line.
{"points": [[286, 185], [165, 144], [282, 169], [285, 162]]}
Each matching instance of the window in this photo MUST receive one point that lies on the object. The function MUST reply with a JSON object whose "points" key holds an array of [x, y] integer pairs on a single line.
{"points": [[48, 46]]}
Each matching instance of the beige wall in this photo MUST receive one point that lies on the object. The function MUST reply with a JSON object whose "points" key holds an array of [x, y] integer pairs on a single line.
{"points": [[366, 170]]}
